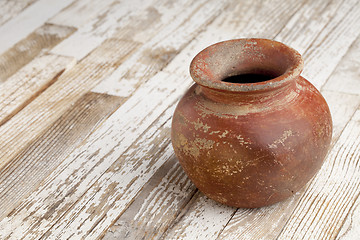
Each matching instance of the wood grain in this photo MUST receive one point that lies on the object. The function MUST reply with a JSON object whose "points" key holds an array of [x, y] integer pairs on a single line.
{"points": [[81, 12], [95, 157], [349, 83], [161, 49], [27, 21], [40, 157], [160, 201], [99, 28], [346, 78], [38, 42], [53, 102], [10, 8], [203, 218], [332, 42], [30, 82]]}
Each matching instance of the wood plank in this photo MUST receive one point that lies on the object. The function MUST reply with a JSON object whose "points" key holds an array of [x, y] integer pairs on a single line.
{"points": [[332, 43], [162, 199], [28, 20], [39, 41], [30, 82], [95, 31], [49, 204], [333, 192], [350, 230], [10, 8], [69, 87], [80, 12], [342, 107], [162, 48], [39, 158], [214, 217], [348, 73]]}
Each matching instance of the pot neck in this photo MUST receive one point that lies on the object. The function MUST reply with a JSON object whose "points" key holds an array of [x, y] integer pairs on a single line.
{"points": [[248, 97]]}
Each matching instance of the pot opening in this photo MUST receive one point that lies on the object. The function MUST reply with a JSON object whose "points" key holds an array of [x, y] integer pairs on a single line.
{"points": [[245, 65]]}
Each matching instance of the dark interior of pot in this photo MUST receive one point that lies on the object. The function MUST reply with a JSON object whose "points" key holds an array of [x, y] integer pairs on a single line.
{"points": [[249, 78]]}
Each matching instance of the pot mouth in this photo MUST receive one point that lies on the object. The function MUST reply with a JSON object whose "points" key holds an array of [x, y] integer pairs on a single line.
{"points": [[245, 65]]}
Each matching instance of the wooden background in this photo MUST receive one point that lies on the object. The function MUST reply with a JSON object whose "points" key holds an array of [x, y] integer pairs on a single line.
{"points": [[87, 91]]}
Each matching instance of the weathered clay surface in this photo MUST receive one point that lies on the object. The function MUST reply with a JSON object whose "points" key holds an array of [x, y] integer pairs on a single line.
{"points": [[251, 144]]}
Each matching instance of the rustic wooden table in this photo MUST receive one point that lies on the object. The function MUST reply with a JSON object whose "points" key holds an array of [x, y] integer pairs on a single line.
{"points": [[87, 91]]}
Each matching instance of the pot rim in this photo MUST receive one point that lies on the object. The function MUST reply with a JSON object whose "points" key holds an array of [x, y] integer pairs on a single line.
{"points": [[202, 73]]}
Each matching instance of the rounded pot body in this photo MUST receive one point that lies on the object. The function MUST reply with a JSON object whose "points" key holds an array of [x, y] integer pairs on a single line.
{"points": [[253, 143]]}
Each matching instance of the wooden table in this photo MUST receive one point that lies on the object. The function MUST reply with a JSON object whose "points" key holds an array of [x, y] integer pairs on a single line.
{"points": [[87, 92]]}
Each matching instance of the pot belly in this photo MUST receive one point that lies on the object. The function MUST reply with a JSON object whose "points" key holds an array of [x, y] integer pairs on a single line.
{"points": [[252, 159]]}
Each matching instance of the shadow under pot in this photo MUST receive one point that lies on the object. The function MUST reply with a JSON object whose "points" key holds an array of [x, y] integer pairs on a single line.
{"points": [[251, 131]]}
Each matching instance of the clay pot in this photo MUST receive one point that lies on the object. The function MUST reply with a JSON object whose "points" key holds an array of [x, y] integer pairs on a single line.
{"points": [[251, 131]]}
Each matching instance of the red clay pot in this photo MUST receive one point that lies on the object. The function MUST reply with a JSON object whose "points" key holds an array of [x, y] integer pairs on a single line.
{"points": [[251, 131]]}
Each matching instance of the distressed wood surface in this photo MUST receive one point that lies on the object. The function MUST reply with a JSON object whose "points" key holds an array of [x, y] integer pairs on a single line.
{"points": [[87, 92], [30, 82], [28, 20], [38, 42], [10, 8], [20, 177]]}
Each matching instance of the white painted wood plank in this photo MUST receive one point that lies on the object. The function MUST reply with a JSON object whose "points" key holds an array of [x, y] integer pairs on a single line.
{"points": [[259, 223], [90, 35], [27, 21], [332, 43], [346, 78], [342, 107], [10, 8], [306, 25], [351, 230], [38, 42], [81, 11], [29, 82], [204, 219], [328, 199], [162, 48], [162, 198]]}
